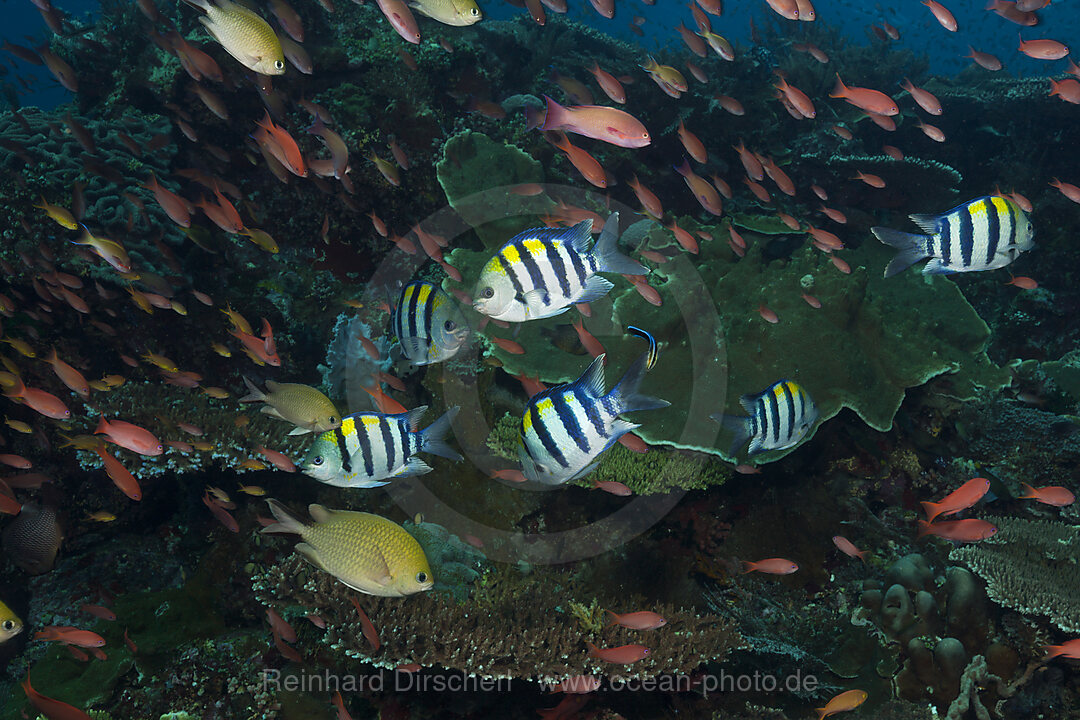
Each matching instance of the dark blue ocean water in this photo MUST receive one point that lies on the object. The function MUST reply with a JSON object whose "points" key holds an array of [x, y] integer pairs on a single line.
{"points": [[919, 31]]}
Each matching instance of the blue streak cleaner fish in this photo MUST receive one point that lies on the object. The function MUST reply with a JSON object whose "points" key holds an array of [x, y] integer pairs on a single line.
{"points": [[566, 428], [983, 234], [372, 447], [543, 271], [779, 417]]}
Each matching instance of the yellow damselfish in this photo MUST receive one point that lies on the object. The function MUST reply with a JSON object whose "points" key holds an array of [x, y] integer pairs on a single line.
{"points": [[366, 552], [10, 624], [243, 34]]}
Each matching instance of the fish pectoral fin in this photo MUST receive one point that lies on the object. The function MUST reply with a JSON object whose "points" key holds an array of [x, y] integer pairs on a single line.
{"points": [[299, 430], [414, 348], [535, 300], [310, 555], [937, 267], [414, 466], [382, 576]]}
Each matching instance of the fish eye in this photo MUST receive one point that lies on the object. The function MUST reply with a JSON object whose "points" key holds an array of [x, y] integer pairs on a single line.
{"points": [[317, 460], [475, 12], [333, 419], [421, 577], [450, 325], [278, 65], [487, 292], [9, 624]]}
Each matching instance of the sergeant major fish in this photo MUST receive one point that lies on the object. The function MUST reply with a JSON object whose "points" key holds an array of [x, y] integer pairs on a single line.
{"points": [[429, 325], [371, 447], [565, 429], [983, 234], [780, 416], [543, 271]]}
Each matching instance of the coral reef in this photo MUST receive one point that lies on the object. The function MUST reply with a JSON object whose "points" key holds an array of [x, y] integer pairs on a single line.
{"points": [[520, 628], [1026, 563]]}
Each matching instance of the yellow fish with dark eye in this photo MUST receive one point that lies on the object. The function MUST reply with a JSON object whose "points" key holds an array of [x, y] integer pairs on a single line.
{"points": [[61, 216], [366, 552], [10, 624], [449, 12], [243, 34]]}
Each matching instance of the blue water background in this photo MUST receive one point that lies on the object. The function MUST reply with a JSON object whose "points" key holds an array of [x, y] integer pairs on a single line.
{"points": [[920, 32]]}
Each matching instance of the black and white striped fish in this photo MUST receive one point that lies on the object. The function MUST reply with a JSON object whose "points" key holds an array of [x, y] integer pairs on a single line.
{"points": [[429, 325], [780, 416], [983, 234], [543, 271], [372, 447], [565, 429]]}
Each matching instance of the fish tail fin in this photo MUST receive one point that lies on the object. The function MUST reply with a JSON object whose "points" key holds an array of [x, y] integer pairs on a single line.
{"points": [[554, 115], [254, 393], [738, 425], [924, 528], [840, 89], [625, 393], [102, 426], [432, 438], [822, 712], [286, 523], [534, 117], [931, 510], [1029, 491], [912, 248], [607, 255], [613, 619], [683, 169]]}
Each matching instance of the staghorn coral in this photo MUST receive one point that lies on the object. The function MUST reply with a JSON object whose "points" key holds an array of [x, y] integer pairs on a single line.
{"points": [[1025, 566], [522, 631]]}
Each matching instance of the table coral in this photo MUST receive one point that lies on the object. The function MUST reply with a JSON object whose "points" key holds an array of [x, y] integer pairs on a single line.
{"points": [[1025, 566]]}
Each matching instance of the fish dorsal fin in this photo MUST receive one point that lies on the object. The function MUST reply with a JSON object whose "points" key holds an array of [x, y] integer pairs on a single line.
{"points": [[319, 513], [579, 237], [928, 223], [413, 417], [592, 380], [749, 401]]}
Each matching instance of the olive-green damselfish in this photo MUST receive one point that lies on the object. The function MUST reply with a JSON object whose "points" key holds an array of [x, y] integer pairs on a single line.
{"points": [[366, 552]]}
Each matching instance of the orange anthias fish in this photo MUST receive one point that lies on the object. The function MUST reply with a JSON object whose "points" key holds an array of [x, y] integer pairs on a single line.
{"points": [[848, 548], [120, 475], [873, 101], [969, 530], [960, 499], [129, 436], [53, 709], [1054, 495], [70, 636], [1070, 649], [848, 700], [623, 655], [641, 620], [597, 122], [772, 566]]}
